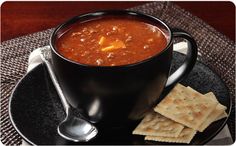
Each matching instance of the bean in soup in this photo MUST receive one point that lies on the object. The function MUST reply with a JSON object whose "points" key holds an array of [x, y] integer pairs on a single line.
{"points": [[111, 42]]}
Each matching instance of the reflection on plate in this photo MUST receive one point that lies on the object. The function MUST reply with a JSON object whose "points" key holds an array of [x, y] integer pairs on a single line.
{"points": [[35, 109]]}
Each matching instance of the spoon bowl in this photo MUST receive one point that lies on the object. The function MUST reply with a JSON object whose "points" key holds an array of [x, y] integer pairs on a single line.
{"points": [[76, 129]]}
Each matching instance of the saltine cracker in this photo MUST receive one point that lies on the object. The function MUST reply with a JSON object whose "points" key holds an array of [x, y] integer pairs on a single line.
{"points": [[186, 106], [155, 124]]}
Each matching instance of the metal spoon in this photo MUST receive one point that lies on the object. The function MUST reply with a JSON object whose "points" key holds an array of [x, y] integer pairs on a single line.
{"points": [[72, 128]]}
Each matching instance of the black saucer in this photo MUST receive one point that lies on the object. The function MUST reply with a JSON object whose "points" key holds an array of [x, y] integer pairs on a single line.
{"points": [[35, 110]]}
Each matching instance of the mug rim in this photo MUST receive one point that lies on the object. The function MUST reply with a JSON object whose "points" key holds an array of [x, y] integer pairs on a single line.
{"points": [[115, 12]]}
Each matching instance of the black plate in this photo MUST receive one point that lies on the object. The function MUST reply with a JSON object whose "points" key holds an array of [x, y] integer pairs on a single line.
{"points": [[35, 110]]}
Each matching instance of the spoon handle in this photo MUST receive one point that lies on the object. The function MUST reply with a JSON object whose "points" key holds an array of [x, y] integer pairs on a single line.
{"points": [[45, 56]]}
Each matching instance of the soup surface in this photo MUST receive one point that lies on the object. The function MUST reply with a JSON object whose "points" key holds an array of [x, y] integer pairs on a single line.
{"points": [[111, 42]]}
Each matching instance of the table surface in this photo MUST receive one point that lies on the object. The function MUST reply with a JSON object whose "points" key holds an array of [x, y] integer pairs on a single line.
{"points": [[22, 18]]}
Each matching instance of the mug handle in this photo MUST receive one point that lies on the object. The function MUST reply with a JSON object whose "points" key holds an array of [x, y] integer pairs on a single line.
{"points": [[189, 61]]}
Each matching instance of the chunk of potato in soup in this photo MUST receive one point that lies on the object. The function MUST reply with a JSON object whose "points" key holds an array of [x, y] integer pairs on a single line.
{"points": [[111, 42]]}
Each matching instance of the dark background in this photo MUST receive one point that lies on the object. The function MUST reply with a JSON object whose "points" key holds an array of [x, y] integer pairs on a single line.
{"points": [[21, 18]]}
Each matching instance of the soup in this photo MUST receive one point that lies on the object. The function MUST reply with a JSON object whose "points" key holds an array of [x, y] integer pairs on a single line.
{"points": [[111, 42]]}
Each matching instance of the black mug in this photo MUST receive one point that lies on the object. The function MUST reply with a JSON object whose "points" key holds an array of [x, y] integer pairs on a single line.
{"points": [[114, 94]]}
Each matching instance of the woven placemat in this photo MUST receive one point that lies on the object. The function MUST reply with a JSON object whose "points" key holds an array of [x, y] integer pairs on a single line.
{"points": [[218, 52]]}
